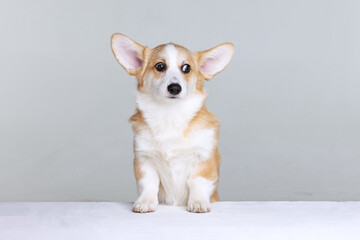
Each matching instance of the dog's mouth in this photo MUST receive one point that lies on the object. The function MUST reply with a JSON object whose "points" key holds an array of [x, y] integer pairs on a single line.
{"points": [[173, 97]]}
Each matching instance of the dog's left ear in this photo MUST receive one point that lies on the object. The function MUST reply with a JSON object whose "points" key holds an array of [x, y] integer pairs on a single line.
{"points": [[127, 52], [214, 60]]}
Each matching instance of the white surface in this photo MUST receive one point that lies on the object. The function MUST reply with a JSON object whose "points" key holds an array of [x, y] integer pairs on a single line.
{"points": [[228, 220]]}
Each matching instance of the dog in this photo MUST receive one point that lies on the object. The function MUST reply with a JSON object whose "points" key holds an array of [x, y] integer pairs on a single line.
{"points": [[176, 157]]}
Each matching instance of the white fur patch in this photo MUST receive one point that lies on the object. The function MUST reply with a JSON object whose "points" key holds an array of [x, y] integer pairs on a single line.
{"points": [[165, 147], [172, 54], [201, 190]]}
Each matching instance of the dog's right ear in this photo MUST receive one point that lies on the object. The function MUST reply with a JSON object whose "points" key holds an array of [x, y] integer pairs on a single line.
{"points": [[127, 52]]}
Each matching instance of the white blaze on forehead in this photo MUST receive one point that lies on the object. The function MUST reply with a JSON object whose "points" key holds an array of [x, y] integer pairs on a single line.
{"points": [[173, 73], [172, 54]]}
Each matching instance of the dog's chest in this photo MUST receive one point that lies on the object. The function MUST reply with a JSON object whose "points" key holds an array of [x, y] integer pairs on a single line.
{"points": [[168, 133], [171, 146], [175, 159]]}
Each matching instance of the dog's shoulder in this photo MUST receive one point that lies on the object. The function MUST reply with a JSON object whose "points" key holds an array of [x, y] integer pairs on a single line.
{"points": [[204, 119], [137, 121]]}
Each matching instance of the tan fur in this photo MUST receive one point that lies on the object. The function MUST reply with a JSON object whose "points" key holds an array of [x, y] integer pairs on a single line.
{"points": [[137, 121], [204, 119], [151, 57], [137, 171], [210, 170], [215, 196]]}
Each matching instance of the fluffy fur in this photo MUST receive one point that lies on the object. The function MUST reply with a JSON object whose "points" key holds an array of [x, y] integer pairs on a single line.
{"points": [[175, 145]]}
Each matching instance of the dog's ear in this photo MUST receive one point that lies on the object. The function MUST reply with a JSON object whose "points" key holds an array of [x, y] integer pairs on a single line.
{"points": [[214, 60], [127, 52]]}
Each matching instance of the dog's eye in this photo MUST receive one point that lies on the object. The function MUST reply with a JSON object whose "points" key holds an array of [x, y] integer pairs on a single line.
{"points": [[185, 68], [160, 66]]}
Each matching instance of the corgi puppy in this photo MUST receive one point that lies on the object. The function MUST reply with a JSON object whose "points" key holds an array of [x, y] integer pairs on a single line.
{"points": [[176, 158]]}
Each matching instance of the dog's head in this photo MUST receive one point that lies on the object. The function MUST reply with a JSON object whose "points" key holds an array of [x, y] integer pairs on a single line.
{"points": [[169, 71]]}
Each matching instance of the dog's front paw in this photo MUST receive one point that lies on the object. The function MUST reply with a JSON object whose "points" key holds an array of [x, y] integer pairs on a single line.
{"points": [[144, 206], [198, 206]]}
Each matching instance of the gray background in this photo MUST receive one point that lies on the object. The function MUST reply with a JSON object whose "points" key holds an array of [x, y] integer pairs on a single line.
{"points": [[289, 101]]}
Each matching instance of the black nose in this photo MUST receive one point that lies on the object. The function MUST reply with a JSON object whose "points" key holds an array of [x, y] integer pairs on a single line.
{"points": [[174, 88]]}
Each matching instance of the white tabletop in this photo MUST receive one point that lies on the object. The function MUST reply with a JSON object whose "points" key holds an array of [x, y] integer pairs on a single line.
{"points": [[228, 220]]}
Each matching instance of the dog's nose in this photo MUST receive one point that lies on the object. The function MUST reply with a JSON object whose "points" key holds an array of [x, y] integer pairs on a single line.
{"points": [[174, 88]]}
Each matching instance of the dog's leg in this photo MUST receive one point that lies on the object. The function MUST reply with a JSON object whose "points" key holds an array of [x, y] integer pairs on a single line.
{"points": [[148, 187], [203, 185], [201, 190]]}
